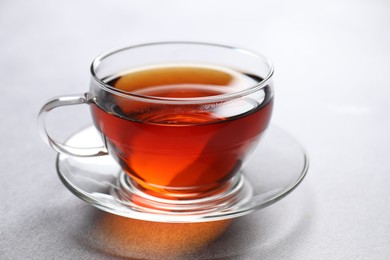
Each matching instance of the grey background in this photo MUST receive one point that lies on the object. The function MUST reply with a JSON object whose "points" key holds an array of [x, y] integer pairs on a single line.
{"points": [[332, 82]]}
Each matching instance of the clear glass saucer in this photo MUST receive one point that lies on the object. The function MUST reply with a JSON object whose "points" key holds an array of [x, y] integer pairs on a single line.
{"points": [[275, 168]]}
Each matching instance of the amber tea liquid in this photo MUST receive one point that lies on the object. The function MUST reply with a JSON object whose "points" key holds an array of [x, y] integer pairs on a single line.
{"points": [[181, 149]]}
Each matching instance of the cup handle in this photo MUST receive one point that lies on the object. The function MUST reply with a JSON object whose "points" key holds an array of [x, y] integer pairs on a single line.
{"points": [[56, 145]]}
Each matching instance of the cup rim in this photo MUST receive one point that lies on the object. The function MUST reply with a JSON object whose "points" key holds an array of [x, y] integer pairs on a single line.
{"points": [[187, 100]]}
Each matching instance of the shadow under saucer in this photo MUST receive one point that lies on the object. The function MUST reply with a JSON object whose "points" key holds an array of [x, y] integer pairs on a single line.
{"points": [[259, 235], [137, 239]]}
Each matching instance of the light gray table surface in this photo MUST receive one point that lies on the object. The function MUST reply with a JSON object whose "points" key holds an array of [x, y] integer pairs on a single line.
{"points": [[332, 82]]}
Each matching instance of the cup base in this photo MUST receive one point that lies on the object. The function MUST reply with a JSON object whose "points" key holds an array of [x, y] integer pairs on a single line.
{"points": [[235, 192], [181, 193]]}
